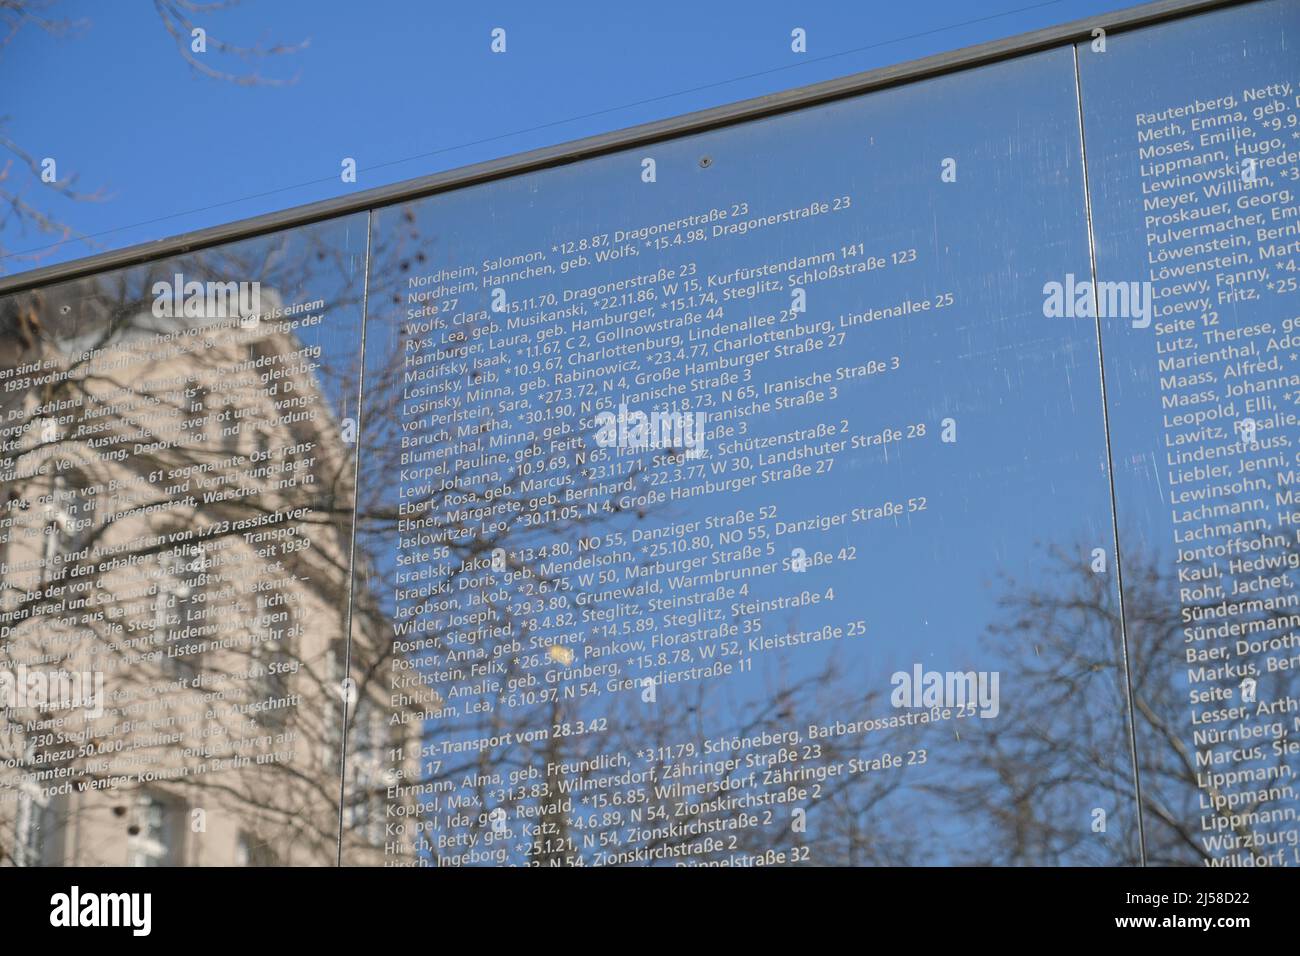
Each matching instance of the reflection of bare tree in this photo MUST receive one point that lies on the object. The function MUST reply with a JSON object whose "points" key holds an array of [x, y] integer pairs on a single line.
{"points": [[1060, 747], [522, 646], [1063, 749], [492, 597], [24, 176]]}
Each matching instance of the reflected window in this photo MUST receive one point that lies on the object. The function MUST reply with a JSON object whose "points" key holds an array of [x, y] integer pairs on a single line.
{"points": [[38, 828], [180, 600], [252, 850], [367, 741], [69, 518], [272, 654], [335, 664], [155, 833], [197, 412], [229, 430]]}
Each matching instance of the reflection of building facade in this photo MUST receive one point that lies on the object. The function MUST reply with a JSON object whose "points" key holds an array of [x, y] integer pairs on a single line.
{"points": [[175, 519]]}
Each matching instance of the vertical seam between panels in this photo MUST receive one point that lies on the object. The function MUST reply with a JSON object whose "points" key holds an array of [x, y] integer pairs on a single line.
{"points": [[1110, 468], [352, 544]]}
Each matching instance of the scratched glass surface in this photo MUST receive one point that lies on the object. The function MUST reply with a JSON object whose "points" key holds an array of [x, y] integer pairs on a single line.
{"points": [[845, 595], [1193, 145], [176, 483]]}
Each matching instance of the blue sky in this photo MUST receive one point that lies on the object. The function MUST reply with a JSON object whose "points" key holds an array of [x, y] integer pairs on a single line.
{"points": [[407, 88]]}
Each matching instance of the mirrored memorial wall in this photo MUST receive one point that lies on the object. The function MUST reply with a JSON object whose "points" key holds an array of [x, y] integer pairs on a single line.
{"points": [[177, 445], [730, 501], [1193, 146], [741, 499]]}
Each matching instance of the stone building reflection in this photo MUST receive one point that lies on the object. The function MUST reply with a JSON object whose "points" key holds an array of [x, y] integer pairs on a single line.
{"points": [[176, 498]]}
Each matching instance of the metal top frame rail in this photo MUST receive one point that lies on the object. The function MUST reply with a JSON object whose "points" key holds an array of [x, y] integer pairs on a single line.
{"points": [[646, 133]]}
